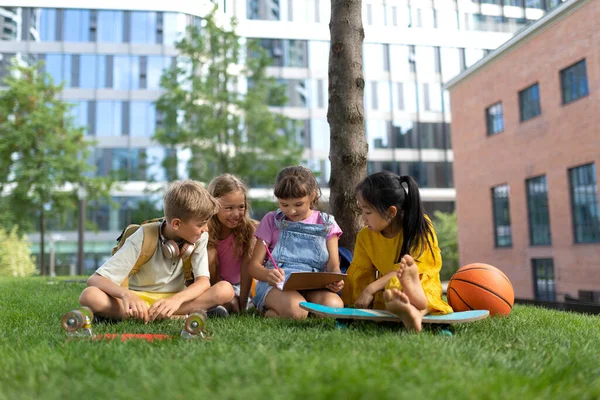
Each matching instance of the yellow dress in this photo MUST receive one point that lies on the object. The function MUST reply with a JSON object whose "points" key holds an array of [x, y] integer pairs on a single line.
{"points": [[374, 252]]}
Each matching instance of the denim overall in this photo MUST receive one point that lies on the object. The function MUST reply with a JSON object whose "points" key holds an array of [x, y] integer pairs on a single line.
{"points": [[300, 248]]}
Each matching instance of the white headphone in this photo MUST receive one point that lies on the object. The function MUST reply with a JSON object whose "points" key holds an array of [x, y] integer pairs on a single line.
{"points": [[171, 249]]}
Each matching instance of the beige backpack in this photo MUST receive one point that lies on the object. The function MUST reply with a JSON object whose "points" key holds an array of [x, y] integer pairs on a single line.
{"points": [[149, 244]]}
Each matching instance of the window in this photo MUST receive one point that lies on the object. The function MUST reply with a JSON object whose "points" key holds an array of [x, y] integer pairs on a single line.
{"points": [[374, 102], [126, 72], [400, 93], [320, 94], [87, 71], [584, 204], [552, 3], [59, 68], [295, 91], [426, 102], [110, 26], [501, 211], [102, 81], [537, 207], [544, 285], [77, 26], [154, 70], [109, 117], [47, 25], [143, 27], [263, 10], [529, 102], [79, 111], [5, 61], [142, 120], [418, 171], [174, 28], [573, 82], [534, 4], [494, 116], [297, 54], [113, 161], [285, 53]]}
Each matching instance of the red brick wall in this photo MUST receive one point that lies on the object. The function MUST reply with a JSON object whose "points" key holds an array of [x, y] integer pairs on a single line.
{"points": [[563, 136]]}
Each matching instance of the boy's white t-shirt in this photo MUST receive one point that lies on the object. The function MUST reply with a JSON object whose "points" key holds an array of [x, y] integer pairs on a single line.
{"points": [[160, 274]]}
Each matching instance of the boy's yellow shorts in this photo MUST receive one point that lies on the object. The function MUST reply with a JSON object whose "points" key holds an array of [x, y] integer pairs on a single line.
{"points": [[152, 297]]}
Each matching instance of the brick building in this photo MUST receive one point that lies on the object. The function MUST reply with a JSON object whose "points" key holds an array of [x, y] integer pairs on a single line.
{"points": [[526, 142]]}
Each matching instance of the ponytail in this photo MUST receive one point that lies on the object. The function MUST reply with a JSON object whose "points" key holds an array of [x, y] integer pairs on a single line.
{"points": [[415, 227]]}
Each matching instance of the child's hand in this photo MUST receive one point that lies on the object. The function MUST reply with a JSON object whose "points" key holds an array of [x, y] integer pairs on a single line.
{"points": [[275, 277], [163, 308], [365, 299], [134, 306], [336, 286]]}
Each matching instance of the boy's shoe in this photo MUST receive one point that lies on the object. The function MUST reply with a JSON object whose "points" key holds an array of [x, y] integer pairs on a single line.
{"points": [[216, 312]]}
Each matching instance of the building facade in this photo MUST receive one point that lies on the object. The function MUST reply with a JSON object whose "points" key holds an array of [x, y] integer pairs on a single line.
{"points": [[526, 152], [110, 58]]}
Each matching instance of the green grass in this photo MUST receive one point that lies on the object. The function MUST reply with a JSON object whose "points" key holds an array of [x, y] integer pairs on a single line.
{"points": [[532, 354]]}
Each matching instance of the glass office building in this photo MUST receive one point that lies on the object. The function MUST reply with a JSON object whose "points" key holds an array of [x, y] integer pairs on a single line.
{"points": [[110, 60]]}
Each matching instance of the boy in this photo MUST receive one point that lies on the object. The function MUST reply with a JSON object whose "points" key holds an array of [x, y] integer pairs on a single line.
{"points": [[157, 290]]}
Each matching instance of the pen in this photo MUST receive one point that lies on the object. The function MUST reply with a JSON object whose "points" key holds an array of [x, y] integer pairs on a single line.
{"points": [[270, 256]]}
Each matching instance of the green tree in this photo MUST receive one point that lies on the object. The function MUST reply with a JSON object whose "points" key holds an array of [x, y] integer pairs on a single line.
{"points": [[445, 228], [15, 254], [43, 155], [346, 115], [218, 107]]}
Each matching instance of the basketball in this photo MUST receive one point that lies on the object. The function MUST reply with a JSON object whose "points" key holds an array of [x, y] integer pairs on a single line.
{"points": [[480, 287]]}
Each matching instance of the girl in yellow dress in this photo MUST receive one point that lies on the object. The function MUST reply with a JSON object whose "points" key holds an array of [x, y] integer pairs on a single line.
{"points": [[397, 261]]}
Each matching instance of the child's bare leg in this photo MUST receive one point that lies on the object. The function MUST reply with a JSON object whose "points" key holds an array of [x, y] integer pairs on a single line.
{"points": [[101, 303], [324, 297], [408, 274], [398, 303], [284, 304], [219, 293], [271, 314]]}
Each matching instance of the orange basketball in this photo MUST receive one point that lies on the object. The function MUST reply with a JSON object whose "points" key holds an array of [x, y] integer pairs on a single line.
{"points": [[480, 287]]}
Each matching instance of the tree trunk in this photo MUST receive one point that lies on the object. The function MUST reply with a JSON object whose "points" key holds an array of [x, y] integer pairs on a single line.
{"points": [[42, 253], [348, 150]]}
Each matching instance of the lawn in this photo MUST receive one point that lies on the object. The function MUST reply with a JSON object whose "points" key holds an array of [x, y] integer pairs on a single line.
{"points": [[532, 354]]}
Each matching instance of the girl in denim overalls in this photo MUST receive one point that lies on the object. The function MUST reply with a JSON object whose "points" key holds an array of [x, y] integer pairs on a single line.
{"points": [[301, 239]]}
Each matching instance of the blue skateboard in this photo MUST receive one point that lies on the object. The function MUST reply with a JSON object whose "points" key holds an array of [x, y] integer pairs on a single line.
{"points": [[344, 314]]}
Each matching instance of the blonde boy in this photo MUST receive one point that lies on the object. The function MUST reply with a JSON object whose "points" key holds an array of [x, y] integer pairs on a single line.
{"points": [[157, 290]]}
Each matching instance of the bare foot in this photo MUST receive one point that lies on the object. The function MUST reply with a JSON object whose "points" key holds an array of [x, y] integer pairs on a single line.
{"points": [[398, 303], [408, 274], [270, 313]]}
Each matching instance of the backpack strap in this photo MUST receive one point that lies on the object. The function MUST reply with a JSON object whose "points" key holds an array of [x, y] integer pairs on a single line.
{"points": [[149, 244], [188, 273]]}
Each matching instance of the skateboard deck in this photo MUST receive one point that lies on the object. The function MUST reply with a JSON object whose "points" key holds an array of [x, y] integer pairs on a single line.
{"points": [[382, 315]]}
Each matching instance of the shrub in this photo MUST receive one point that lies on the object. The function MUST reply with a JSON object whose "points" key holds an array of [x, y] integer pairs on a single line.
{"points": [[445, 228], [15, 254]]}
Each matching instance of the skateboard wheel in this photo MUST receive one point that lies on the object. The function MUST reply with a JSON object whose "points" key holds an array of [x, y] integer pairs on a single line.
{"points": [[194, 324], [445, 332], [72, 321], [87, 312]]}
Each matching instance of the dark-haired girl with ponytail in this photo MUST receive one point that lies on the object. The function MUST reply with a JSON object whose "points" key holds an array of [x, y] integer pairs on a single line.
{"points": [[397, 261]]}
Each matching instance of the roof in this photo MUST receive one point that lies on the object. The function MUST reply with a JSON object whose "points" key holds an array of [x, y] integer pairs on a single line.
{"points": [[535, 28]]}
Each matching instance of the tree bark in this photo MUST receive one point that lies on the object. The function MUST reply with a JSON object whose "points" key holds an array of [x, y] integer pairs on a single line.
{"points": [[348, 150], [42, 253]]}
